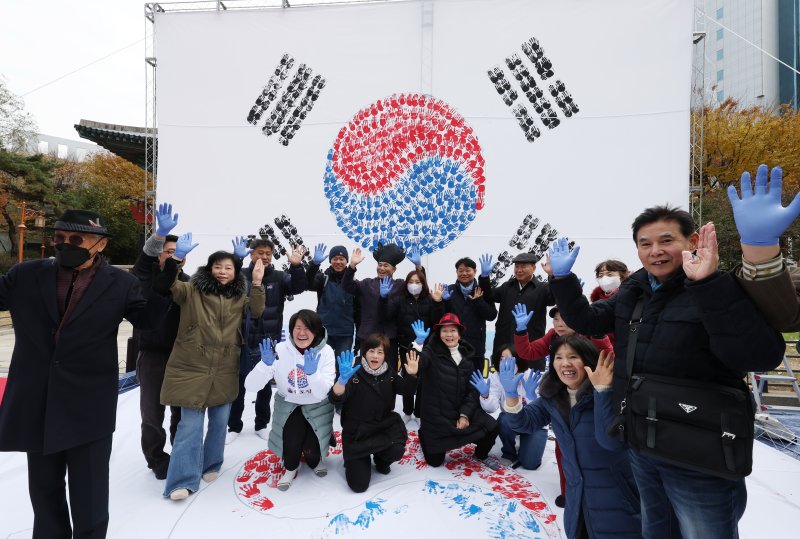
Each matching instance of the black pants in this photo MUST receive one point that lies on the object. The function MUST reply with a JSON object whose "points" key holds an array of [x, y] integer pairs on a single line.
{"points": [[359, 471], [299, 439], [87, 465], [482, 448], [409, 404], [150, 372], [262, 397]]}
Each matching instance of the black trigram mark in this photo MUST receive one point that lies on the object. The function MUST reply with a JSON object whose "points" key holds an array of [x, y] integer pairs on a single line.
{"points": [[290, 237], [563, 99], [519, 241], [293, 105], [529, 87], [535, 53]]}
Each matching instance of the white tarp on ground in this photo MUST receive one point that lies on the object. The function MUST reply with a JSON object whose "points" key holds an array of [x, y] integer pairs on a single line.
{"points": [[459, 500], [449, 166]]}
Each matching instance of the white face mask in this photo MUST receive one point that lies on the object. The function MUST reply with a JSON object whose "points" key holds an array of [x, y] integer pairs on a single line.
{"points": [[414, 289], [608, 283]]}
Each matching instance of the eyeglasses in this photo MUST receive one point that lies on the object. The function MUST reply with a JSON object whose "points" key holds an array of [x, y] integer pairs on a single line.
{"points": [[73, 239]]}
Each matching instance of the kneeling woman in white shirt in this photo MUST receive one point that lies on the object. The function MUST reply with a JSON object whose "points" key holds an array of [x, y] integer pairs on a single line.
{"points": [[304, 369]]}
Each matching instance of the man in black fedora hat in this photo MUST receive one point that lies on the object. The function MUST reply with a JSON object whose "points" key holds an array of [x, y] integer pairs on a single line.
{"points": [[521, 288], [61, 397]]}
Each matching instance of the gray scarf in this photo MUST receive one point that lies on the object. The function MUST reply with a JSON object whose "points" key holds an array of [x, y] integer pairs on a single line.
{"points": [[374, 372]]}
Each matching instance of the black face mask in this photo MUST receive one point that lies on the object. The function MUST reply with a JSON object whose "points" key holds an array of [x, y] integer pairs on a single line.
{"points": [[70, 256]]}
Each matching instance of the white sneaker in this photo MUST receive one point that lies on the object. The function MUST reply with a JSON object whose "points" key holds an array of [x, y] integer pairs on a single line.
{"points": [[179, 494], [263, 434], [286, 480], [210, 477], [230, 437], [321, 470]]}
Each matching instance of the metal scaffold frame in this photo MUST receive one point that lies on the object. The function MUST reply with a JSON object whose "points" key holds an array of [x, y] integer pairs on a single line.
{"points": [[697, 114]]}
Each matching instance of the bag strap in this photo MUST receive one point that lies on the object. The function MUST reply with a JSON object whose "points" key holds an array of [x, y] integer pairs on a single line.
{"points": [[633, 335]]}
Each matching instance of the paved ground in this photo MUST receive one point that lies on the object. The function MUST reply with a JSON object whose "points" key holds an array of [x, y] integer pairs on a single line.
{"points": [[7, 342]]}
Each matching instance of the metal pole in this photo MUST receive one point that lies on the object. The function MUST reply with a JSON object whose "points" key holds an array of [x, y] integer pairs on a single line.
{"points": [[21, 227], [42, 242]]}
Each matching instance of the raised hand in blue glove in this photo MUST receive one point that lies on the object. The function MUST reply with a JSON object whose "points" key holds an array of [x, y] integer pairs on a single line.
{"points": [[561, 258], [346, 368], [446, 293], [240, 249], [486, 265], [166, 221], [319, 253], [419, 330], [267, 349], [385, 287], [760, 217], [184, 246], [521, 316], [480, 383], [415, 255], [531, 383], [310, 361], [509, 378]]}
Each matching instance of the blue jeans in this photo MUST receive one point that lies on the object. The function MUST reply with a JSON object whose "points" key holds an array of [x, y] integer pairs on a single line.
{"points": [[251, 357], [531, 446], [191, 455], [680, 503]]}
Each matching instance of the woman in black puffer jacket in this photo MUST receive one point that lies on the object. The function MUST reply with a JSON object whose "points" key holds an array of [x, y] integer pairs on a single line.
{"points": [[415, 302], [451, 416], [370, 426]]}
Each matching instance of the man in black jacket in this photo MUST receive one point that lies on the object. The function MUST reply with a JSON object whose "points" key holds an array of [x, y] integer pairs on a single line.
{"points": [[155, 346], [522, 288], [696, 324], [277, 285], [60, 403], [468, 299]]}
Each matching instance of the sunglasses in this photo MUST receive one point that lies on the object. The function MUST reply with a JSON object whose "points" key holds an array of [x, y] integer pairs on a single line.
{"points": [[73, 239]]}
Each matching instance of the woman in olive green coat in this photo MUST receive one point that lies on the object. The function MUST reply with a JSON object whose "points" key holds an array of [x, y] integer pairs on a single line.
{"points": [[203, 369]]}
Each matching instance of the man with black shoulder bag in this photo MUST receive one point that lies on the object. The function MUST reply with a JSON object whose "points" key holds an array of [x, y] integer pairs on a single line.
{"points": [[686, 335]]}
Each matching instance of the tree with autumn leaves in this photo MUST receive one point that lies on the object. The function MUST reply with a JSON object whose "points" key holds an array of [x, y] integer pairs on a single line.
{"points": [[738, 139]]}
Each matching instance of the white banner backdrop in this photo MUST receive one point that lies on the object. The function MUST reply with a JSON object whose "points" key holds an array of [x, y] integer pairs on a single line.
{"points": [[465, 126]]}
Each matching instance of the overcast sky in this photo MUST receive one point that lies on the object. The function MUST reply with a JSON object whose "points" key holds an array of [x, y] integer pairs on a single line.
{"points": [[42, 40]]}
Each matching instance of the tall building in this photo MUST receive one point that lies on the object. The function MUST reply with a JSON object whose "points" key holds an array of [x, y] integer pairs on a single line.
{"points": [[738, 34]]}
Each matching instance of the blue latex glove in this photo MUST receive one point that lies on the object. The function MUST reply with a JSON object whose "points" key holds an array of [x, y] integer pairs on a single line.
{"points": [[319, 253], [184, 246], [346, 368], [267, 349], [310, 362], [522, 317], [760, 217], [480, 383], [420, 331], [561, 258], [415, 255], [508, 379], [531, 384], [166, 221], [447, 293], [486, 265], [240, 249], [385, 286]]}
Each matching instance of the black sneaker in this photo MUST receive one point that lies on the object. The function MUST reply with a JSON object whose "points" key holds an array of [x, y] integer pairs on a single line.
{"points": [[161, 472], [560, 501]]}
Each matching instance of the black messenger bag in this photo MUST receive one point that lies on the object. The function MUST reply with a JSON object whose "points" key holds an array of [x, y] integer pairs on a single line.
{"points": [[691, 424]]}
